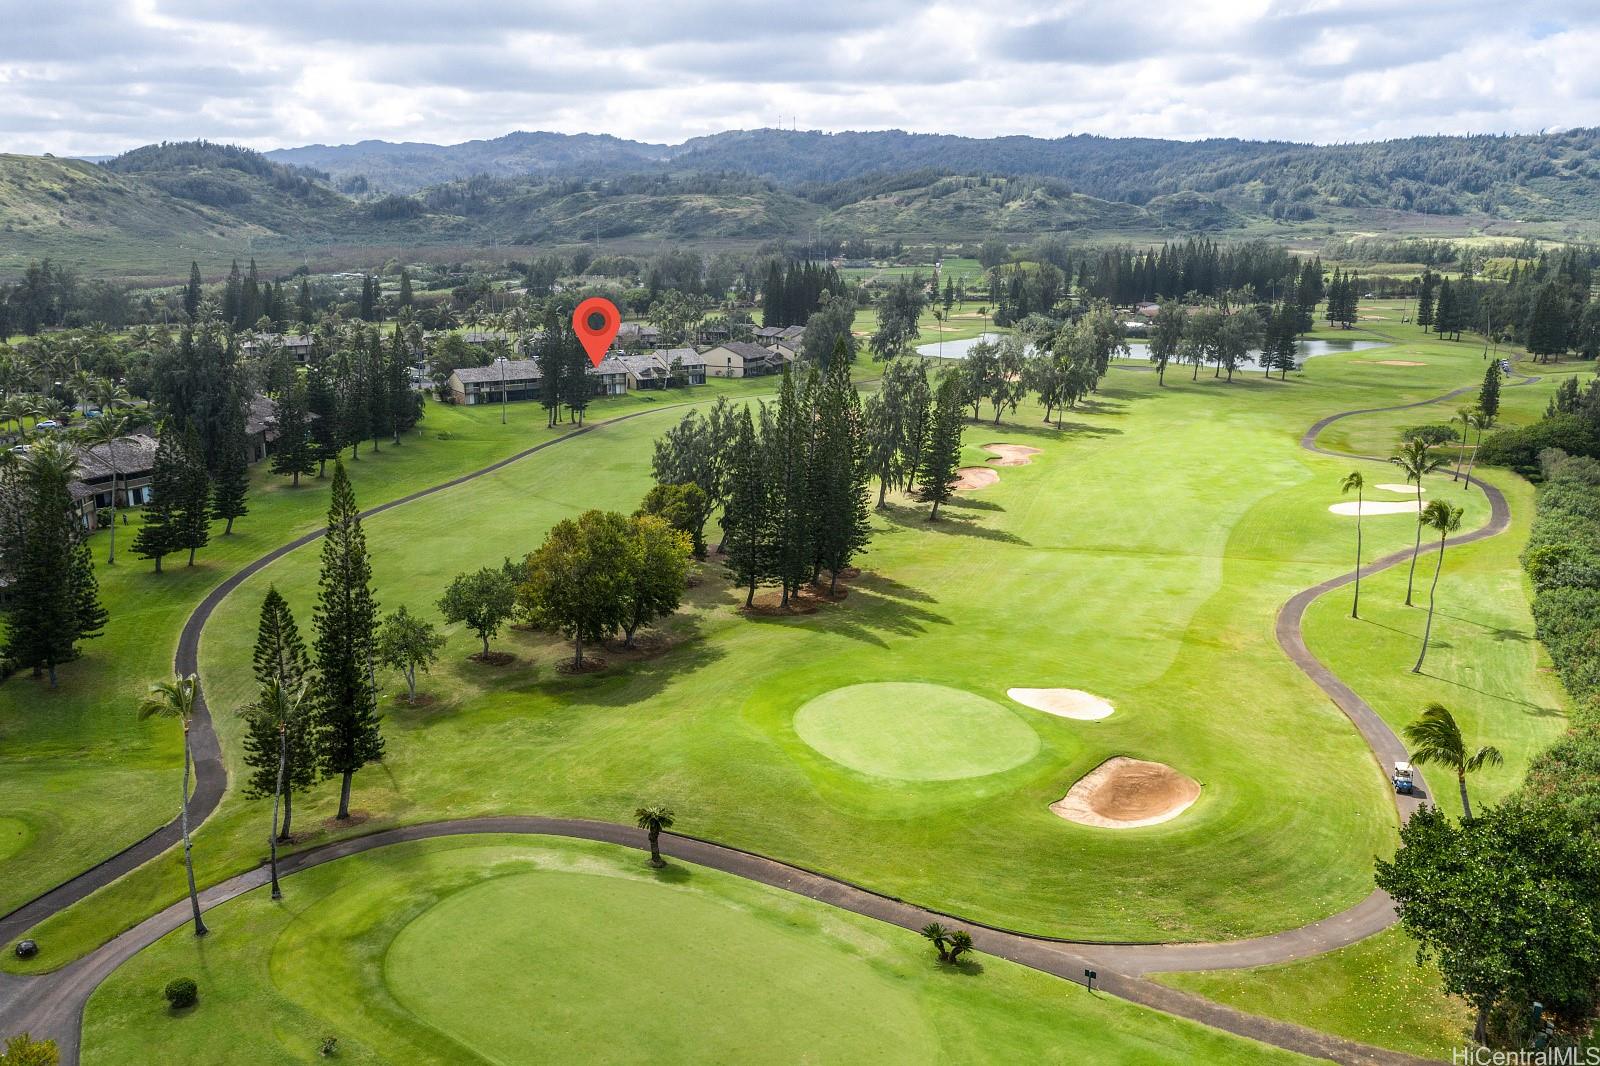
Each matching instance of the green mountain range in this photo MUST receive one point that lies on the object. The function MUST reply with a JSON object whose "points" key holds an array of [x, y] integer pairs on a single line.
{"points": [[148, 212]]}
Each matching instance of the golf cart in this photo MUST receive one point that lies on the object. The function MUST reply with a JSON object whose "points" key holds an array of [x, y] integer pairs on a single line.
{"points": [[1402, 778]]}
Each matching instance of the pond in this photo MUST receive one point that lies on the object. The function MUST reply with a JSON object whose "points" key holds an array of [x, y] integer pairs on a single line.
{"points": [[1308, 349]]}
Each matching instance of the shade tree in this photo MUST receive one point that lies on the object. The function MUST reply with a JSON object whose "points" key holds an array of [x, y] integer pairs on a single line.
{"points": [[483, 601]]}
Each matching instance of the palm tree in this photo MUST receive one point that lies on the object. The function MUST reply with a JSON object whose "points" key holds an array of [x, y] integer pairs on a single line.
{"points": [[653, 819], [1416, 458], [1446, 519], [1480, 422], [15, 410], [282, 706], [107, 430], [1436, 738], [108, 394], [1463, 415], [178, 699], [1354, 481], [81, 383], [939, 936]]}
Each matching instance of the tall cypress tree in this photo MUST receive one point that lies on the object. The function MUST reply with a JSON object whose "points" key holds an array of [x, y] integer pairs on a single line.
{"points": [[788, 460], [355, 410], [280, 659], [305, 311], [379, 395], [1425, 302], [406, 297], [191, 295], [232, 296], [551, 355], [322, 412], [53, 601], [404, 402], [577, 379], [231, 482], [296, 453], [839, 458], [346, 618], [1446, 316], [746, 523], [158, 534], [1489, 394], [193, 519], [938, 467]]}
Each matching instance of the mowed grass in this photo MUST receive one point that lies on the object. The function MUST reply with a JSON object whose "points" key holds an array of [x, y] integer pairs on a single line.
{"points": [[504, 949], [1372, 991], [79, 776]]}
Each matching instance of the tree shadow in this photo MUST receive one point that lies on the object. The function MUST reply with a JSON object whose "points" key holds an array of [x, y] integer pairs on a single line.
{"points": [[948, 523], [878, 583], [972, 503], [627, 681], [1535, 710], [673, 873], [1499, 633], [867, 614], [1049, 430]]}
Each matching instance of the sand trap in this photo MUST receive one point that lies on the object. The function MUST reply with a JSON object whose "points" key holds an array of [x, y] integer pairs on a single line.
{"points": [[1397, 362], [1011, 454], [975, 477], [1409, 490], [1123, 793], [1063, 702], [1368, 507]]}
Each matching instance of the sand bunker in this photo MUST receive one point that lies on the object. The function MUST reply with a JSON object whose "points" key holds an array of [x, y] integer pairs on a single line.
{"points": [[1123, 793], [1398, 362], [1011, 454], [1063, 702], [975, 477], [1409, 490], [1370, 507]]}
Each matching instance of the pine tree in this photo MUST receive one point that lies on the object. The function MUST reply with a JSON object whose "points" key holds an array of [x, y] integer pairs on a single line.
{"points": [[1425, 302], [191, 295], [577, 381], [380, 418], [250, 298], [296, 451], [158, 535], [551, 355], [280, 660], [1489, 394], [322, 412], [355, 408], [1547, 324], [406, 298], [53, 600], [231, 482], [746, 522], [938, 467], [348, 734], [1445, 314], [843, 527], [788, 461], [193, 525], [404, 402], [232, 296], [305, 311], [369, 299]]}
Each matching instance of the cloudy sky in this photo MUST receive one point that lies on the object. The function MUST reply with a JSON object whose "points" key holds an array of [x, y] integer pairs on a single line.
{"points": [[82, 77]]}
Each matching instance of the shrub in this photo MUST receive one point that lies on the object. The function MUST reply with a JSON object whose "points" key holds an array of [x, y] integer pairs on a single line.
{"points": [[1520, 448], [1434, 434], [181, 992], [329, 1047]]}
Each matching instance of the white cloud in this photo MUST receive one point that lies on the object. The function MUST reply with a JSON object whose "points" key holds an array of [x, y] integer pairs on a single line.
{"points": [[79, 77]]}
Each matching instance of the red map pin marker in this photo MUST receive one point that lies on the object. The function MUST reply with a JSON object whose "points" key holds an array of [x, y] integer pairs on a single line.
{"points": [[596, 341]]}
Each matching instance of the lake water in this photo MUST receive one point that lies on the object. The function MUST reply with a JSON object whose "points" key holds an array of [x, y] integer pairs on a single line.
{"points": [[1139, 349]]}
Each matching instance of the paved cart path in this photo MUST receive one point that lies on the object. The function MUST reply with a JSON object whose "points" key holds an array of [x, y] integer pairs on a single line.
{"points": [[51, 1005]]}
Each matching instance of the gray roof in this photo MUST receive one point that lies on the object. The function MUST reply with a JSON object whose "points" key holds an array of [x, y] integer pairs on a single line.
{"points": [[746, 350], [475, 337], [611, 364], [132, 454], [287, 340], [515, 370], [262, 417], [686, 356]]}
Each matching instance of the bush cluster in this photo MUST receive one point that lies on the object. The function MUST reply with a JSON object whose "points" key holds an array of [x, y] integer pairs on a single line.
{"points": [[1563, 562], [181, 992]]}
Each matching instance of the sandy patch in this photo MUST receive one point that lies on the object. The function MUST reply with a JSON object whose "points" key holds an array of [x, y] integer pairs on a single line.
{"points": [[1011, 454], [1123, 793], [1063, 702], [1409, 490], [1397, 362], [974, 477], [1370, 507]]}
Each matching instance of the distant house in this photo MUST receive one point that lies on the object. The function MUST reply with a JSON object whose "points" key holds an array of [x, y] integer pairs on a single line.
{"points": [[1147, 309], [785, 347], [483, 340], [298, 345], [634, 335], [472, 385], [654, 370], [741, 359], [130, 460], [260, 427], [520, 379]]}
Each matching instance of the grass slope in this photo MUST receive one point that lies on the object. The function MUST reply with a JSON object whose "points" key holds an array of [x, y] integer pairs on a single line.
{"points": [[421, 953]]}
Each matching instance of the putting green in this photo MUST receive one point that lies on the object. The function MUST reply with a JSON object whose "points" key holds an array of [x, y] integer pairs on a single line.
{"points": [[472, 951], [915, 732], [548, 939], [14, 836]]}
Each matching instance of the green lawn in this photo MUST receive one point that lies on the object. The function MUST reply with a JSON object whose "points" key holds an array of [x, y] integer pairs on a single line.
{"points": [[1372, 991], [80, 778], [1141, 556], [502, 949]]}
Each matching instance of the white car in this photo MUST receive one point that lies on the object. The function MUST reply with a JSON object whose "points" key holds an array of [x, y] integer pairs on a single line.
{"points": [[48, 423]]}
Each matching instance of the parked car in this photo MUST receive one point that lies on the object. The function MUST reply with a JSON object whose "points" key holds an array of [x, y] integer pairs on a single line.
{"points": [[48, 423]]}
